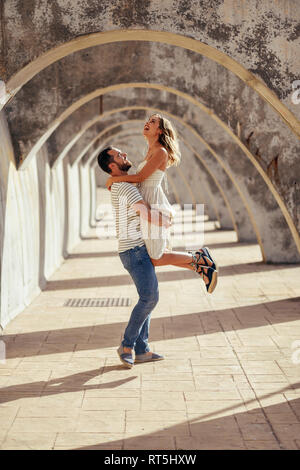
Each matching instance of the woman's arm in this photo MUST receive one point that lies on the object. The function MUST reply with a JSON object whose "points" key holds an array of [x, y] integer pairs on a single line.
{"points": [[158, 158]]}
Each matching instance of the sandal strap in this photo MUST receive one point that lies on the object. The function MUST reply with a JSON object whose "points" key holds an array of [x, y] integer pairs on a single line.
{"points": [[200, 255], [203, 256]]}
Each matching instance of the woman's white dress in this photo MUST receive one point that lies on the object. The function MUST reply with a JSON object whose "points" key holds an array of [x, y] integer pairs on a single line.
{"points": [[157, 239]]}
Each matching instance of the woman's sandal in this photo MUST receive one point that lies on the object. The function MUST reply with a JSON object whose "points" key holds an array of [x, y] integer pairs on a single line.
{"points": [[205, 251], [211, 274]]}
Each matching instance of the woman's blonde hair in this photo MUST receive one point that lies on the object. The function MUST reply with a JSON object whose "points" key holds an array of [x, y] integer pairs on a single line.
{"points": [[168, 139]]}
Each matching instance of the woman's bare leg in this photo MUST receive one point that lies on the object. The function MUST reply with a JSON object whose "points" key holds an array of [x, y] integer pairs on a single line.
{"points": [[175, 258], [181, 260]]}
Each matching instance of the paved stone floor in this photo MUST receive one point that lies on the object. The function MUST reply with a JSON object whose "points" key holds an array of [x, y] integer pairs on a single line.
{"points": [[230, 378]]}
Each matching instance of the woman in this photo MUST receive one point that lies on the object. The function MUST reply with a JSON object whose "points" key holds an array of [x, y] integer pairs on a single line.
{"points": [[163, 152]]}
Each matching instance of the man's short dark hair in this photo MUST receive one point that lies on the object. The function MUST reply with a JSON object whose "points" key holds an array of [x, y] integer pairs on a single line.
{"points": [[104, 159]]}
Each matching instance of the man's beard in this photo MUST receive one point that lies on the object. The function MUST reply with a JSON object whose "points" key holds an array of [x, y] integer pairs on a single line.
{"points": [[124, 166]]}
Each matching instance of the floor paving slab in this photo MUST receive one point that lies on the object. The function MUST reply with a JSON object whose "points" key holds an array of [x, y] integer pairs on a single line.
{"points": [[28, 441], [81, 440], [229, 379]]}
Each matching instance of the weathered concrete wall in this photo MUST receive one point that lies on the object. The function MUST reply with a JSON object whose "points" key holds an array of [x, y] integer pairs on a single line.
{"points": [[205, 189], [36, 226], [247, 115], [37, 104], [262, 36]]}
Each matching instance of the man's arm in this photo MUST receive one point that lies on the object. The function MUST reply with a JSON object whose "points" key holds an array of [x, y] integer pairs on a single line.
{"points": [[159, 158], [153, 216], [133, 199]]}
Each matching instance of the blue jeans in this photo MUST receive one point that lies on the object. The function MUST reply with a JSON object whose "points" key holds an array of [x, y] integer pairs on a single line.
{"points": [[138, 263]]}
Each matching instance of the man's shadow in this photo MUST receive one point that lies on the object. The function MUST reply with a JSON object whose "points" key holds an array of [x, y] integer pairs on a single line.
{"points": [[72, 383]]}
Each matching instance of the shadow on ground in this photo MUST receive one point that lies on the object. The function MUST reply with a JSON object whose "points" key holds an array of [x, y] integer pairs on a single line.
{"points": [[70, 383], [178, 275], [162, 328]]}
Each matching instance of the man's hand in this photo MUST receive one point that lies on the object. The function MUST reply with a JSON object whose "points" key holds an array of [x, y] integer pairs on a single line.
{"points": [[152, 215], [164, 220], [169, 221]]}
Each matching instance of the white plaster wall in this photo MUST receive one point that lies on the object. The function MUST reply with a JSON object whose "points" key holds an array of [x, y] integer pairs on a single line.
{"points": [[54, 215], [85, 198], [19, 219], [73, 193], [39, 213], [93, 189]]}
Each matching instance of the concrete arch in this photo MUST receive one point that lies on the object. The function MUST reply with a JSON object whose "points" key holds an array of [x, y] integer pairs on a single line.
{"points": [[94, 164], [215, 211], [265, 177], [107, 140], [212, 210], [225, 94], [82, 155], [124, 142], [187, 184], [203, 108], [17, 52], [286, 188], [212, 207], [290, 193], [92, 158], [93, 161], [90, 40], [219, 160], [97, 119], [172, 116], [227, 203]]}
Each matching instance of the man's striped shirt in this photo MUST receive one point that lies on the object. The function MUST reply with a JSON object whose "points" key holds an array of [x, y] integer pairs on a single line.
{"points": [[128, 229]]}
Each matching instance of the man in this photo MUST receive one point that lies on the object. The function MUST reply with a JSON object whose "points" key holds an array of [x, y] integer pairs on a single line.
{"points": [[129, 207]]}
